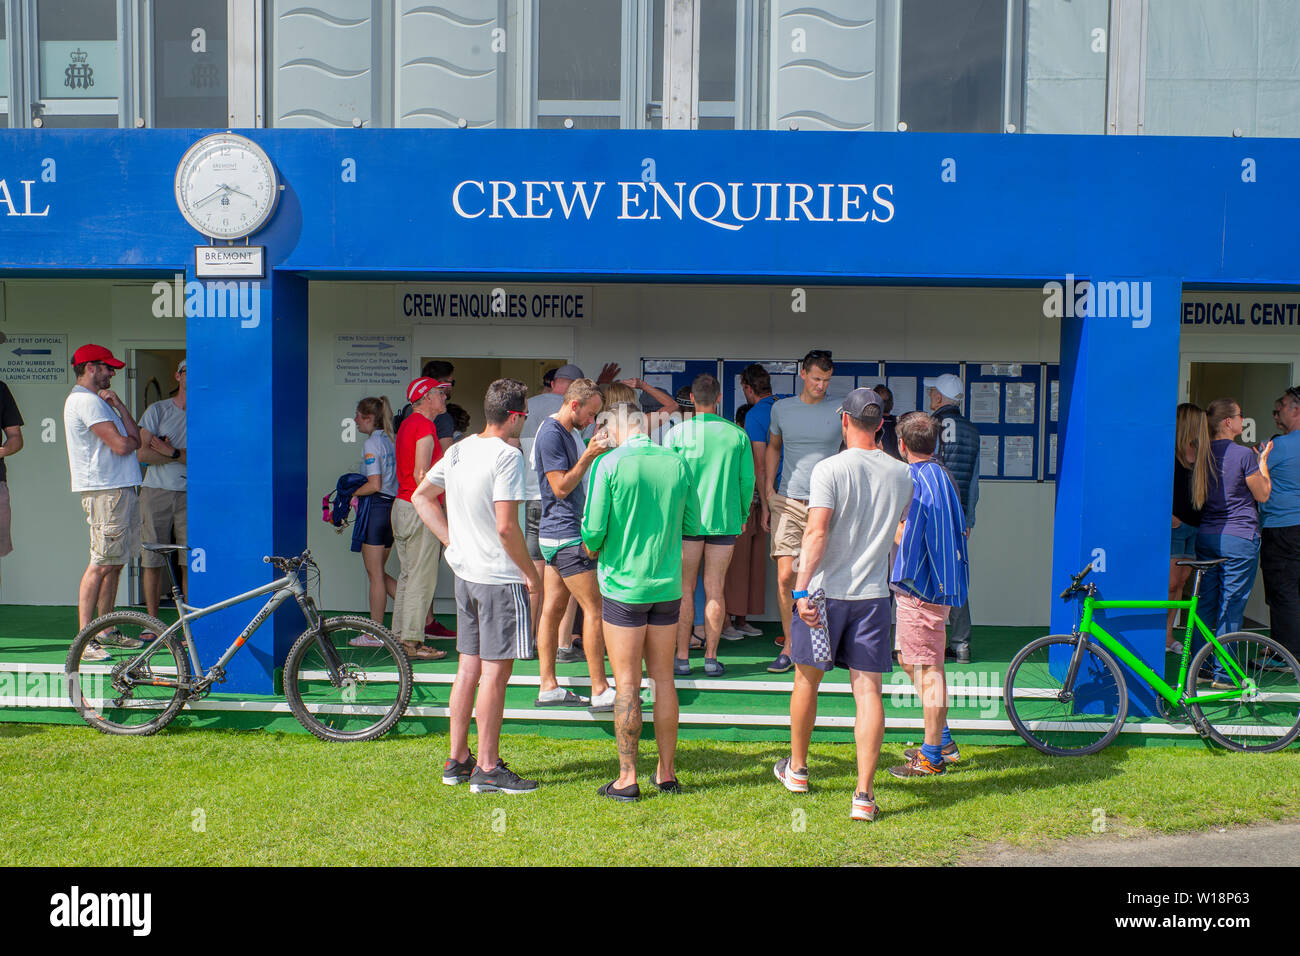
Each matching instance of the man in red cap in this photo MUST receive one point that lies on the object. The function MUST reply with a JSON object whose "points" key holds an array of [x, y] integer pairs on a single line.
{"points": [[417, 549], [102, 441]]}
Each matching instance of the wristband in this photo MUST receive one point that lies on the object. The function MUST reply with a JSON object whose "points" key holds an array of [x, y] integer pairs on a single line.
{"points": [[798, 594]]}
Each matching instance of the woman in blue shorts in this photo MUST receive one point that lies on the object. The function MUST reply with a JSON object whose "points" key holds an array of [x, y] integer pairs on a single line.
{"points": [[1191, 482], [374, 419]]}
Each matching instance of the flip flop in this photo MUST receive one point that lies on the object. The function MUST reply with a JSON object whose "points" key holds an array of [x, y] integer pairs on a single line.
{"points": [[424, 653], [665, 786]]}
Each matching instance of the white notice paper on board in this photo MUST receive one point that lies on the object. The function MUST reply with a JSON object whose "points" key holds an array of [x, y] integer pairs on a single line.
{"points": [[985, 397], [1054, 412], [988, 456], [1051, 453], [840, 386], [739, 394], [664, 382], [904, 389], [1020, 403], [1019, 462], [785, 384]]}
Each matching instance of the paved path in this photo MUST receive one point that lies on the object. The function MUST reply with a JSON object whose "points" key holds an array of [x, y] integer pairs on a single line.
{"points": [[1269, 844]]}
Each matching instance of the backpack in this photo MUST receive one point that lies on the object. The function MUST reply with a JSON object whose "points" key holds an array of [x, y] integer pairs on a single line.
{"points": [[336, 507]]}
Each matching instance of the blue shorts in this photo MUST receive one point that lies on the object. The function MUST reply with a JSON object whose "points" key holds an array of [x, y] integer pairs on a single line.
{"points": [[1183, 541], [379, 523], [723, 539], [572, 560], [859, 634], [639, 615]]}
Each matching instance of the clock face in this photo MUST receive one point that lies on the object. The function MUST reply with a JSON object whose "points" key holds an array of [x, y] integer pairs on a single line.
{"points": [[226, 187]]}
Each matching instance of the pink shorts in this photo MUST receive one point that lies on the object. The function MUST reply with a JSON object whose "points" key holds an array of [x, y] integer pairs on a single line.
{"points": [[922, 630]]}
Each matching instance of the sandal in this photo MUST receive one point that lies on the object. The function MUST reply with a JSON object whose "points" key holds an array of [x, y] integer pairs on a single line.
{"points": [[569, 699], [424, 653], [697, 642]]}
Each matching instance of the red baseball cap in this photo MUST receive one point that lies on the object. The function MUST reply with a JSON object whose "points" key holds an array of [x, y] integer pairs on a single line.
{"points": [[96, 353], [421, 387]]}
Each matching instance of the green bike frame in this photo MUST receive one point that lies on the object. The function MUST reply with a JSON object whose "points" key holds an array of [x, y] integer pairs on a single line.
{"points": [[1176, 697]]}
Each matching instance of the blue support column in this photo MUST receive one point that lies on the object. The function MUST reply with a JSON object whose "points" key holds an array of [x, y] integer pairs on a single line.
{"points": [[1119, 393], [247, 461]]}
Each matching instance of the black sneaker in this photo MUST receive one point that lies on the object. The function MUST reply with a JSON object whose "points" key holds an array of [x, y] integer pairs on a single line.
{"points": [[500, 779], [457, 771], [571, 655]]}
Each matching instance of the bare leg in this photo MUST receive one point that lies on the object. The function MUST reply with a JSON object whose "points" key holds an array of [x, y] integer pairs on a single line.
{"points": [[717, 558], [468, 669], [151, 582], [587, 592], [659, 666], [536, 601], [108, 588], [566, 625], [932, 686], [785, 576], [380, 582], [1177, 581], [88, 592], [491, 705], [692, 555], [626, 647], [869, 727], [803, 712], [548, 633]]}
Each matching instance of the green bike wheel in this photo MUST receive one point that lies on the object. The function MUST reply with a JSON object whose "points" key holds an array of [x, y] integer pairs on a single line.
{"points": [[112, 688], [1059, 719], [1265, 716]]}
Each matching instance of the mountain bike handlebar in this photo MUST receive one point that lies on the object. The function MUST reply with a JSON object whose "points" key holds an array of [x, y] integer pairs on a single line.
{"points": [[290, 564], [1075, 581]]}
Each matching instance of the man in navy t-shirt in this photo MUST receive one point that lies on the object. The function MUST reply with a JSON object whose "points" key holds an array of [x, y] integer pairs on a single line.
{"points": [[561, 463]]}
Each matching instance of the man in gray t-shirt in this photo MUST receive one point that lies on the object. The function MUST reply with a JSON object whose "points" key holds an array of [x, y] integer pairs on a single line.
{"points": [[162, 495], [806, 428]]}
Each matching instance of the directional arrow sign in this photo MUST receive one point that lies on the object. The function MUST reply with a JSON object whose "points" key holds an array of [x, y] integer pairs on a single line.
{"points": [[32, 351]]}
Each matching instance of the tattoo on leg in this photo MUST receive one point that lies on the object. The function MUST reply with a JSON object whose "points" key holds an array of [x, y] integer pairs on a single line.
{"points": [[627, 726]]}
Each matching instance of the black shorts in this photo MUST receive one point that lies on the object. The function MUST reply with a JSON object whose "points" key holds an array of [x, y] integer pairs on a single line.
{"points": [[379, 523], [639, 615], [532, 521], [572, 560], [723, 539]]}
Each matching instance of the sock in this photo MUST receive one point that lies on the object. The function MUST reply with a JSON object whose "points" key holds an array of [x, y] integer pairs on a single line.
{"points": [[947, 736], [933, 753]]}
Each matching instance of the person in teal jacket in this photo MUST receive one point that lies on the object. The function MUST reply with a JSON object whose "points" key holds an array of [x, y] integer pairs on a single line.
{"points": [[718, 455], [640, 503]]}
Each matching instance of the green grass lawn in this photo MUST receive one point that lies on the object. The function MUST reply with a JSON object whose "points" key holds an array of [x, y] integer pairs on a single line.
{"points": [[76, 797]]}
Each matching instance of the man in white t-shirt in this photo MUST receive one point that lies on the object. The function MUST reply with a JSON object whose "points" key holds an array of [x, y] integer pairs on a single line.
{"points": [[102, 441], [162, 496], [483, 477]]}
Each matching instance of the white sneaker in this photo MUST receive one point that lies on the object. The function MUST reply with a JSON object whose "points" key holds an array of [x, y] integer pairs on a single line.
{"points": [[366, 640], [729, 633], [93, 652], [603, 701], [749, 630]]}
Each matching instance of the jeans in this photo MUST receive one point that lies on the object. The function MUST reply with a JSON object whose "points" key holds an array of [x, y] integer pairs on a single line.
{"points": [[1226, 589], [1279, 558]]}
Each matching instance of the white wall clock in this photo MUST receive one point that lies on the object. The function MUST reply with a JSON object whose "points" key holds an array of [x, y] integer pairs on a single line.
{"points": [[226, 186]]}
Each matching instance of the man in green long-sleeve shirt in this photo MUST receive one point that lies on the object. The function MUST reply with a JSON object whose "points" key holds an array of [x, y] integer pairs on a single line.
{"points": [[722, 468], [640, 503]]}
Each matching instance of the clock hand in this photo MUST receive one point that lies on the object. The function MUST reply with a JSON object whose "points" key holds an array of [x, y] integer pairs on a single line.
{"points": [[239, 192], [212, 195]]}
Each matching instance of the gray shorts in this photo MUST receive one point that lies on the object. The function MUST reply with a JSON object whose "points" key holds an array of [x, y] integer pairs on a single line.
{"points": [[493, 621], [532, 522]]}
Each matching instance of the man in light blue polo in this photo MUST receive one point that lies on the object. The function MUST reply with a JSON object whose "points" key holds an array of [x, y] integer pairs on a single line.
{"points": [[1279, 552]]}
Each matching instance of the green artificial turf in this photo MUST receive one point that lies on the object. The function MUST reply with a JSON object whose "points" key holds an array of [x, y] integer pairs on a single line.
{"points": [[74, 796]]}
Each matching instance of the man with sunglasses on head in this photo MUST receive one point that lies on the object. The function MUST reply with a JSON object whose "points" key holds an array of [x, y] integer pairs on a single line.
{"points": [[483, 476], [804, 431], [102, 441]]}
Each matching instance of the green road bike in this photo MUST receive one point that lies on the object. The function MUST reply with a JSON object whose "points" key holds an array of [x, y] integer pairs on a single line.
{"points": [[345, 678], [1066, 695]]}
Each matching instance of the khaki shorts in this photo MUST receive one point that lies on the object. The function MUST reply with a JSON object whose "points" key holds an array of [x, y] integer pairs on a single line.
{"points": [[114, 518], [922, 630], [162, 512], [789, 518], [6, 542]]}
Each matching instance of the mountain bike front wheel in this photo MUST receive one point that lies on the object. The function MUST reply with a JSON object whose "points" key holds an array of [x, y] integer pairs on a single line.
{"points": [[349, 681], [1059, 718], [111, 689], [1265, 715]]}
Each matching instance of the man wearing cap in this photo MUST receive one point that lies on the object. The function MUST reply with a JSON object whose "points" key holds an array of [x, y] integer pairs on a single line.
{"points": [[11, 434], [959, 452], [803, 431], [855, 500], [417, 549], [162, 496], [102, 441]]}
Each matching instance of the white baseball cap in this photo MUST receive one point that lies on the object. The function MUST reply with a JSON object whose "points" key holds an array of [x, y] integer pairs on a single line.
{"points": [[949, 385]]}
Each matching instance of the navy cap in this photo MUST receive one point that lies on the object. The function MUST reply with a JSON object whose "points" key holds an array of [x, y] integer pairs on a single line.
{"points": [[864, 405]]}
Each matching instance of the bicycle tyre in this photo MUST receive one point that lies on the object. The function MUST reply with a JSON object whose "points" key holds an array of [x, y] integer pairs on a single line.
{"points": [[112, 718], [312, 714], [1249, 650], [1025, 716]]}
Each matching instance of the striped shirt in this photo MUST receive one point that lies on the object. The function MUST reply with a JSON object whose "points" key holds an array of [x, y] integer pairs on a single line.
{"points": [[932, 562]]}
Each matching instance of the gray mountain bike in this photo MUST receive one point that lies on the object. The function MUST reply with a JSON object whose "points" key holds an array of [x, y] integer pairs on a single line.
{"points": [[346, 678]]}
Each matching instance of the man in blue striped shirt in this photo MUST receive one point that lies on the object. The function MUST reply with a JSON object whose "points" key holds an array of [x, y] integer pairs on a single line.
{"points": [[930, 577]]}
